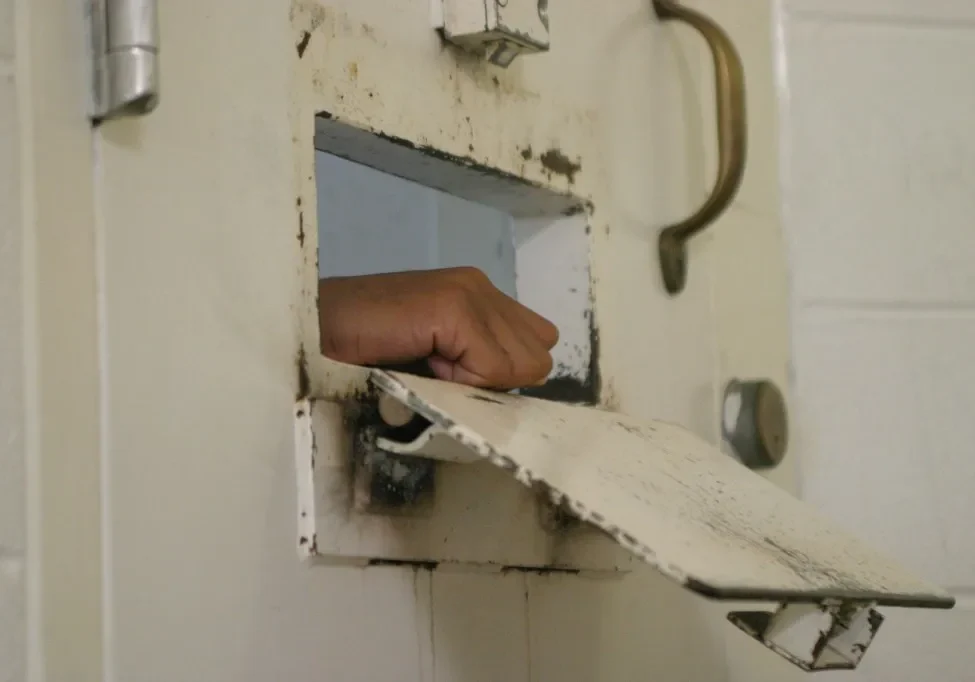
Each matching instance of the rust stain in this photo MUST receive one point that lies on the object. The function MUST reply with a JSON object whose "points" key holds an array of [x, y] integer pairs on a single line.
{"points": [[527, 154], [353, 69], [555, 161]]}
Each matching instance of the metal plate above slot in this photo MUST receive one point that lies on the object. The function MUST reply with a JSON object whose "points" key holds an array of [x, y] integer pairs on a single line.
{"points": [[668, 497]]}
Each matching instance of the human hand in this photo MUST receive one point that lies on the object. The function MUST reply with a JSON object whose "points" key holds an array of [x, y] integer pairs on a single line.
{"points": [[467, 330]]}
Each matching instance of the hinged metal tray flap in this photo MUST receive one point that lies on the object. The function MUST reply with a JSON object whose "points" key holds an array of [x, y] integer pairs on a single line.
{"points": [[674, 500]]}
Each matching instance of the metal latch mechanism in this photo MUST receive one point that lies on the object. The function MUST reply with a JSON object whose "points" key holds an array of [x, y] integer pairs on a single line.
{"points": [[500, 29], [815, 637], [123, 38]]}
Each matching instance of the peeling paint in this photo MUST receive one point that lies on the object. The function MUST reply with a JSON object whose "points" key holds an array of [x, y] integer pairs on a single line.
{"points": [[522, 474], [820, 636], [688, 466], [304, 381], [556, 162], [576, 210], [458, 174], [305, 448], [459, 160]]}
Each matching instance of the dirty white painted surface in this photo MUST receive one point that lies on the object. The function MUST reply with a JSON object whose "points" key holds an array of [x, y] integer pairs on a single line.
{"points": [[206, 298], [13, 473], [878, 176], [667, 496], [562, 293], [479, 521], [49, 506], [234, 140]]}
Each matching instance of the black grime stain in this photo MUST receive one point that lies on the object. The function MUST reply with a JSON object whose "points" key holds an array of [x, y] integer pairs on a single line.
{"points": [[394, 481], [573, 390], [556, 162], [304, 381], [303, 43], [485, 399], [425, 565], [467, 162], [540, 571], [574, 206]]}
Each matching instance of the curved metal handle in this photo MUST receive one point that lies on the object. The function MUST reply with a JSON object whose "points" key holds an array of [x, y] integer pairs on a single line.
{"points": [[729, 76]]}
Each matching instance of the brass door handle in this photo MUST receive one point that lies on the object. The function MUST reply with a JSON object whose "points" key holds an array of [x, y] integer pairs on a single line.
{"points": [[729, 76]]}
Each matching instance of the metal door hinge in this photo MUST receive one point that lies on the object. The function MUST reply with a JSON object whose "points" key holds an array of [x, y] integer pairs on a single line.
{"points": [[124, 47]]}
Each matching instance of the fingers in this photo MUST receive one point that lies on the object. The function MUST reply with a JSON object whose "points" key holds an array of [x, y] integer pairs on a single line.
{"points": [[468, 330], [532, 361], [543, 329], [490, 341], [546, 332]]}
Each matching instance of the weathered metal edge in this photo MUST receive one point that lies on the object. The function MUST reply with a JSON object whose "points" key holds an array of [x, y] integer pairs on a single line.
{"points": [[391, 385]]}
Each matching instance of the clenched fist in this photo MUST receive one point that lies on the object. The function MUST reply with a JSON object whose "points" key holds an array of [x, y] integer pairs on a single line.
{"points": [[467, 330]]}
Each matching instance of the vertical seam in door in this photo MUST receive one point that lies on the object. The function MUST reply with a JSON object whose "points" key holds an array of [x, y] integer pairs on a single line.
{"points": [[431, 633], [528, 623], [31, 339], [782, 15], [101, 312]]}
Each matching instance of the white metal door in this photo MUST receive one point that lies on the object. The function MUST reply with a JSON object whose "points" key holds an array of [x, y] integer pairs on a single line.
{"points": [[208, 299], [205, 299]]}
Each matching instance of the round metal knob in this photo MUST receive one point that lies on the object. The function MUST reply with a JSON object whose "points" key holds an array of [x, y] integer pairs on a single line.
{"points": [[755, 422]]}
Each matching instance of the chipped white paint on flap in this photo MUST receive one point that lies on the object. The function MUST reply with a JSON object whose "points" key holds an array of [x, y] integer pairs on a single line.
{"points": [[673, 499]]}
